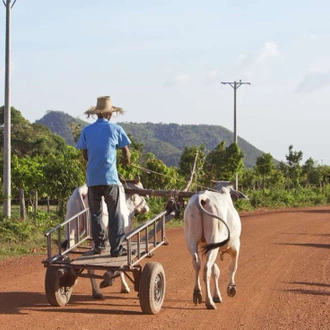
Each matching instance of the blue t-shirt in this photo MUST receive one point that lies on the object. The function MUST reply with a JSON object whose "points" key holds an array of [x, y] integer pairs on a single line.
{"points": [[101, 139]]}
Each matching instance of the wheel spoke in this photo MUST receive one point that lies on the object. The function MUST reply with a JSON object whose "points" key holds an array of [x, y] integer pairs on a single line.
{"points": [[158, 288]]}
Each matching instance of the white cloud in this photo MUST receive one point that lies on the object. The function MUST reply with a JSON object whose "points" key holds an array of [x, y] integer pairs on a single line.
{"points": [[314, 80], [212, 77], [180, 79], [257, 65], [270, 50], [245, 60], [311, 36]]}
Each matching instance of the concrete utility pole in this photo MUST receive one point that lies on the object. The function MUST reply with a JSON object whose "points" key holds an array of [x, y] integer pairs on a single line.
{"points": [[7, 119], [235, 85]]}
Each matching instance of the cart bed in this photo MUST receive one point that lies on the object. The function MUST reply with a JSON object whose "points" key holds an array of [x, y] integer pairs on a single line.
{"points": [[104, 260]]}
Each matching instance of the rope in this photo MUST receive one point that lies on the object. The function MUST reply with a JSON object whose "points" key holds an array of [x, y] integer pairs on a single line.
{"points": [[150, 171], [164, 175]]}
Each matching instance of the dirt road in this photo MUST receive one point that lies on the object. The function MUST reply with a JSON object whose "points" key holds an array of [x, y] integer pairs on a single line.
{"points": [[283, 282]]}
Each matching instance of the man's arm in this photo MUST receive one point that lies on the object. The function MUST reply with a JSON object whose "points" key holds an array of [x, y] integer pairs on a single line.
{"points": [[126, 156], [85, 154]]}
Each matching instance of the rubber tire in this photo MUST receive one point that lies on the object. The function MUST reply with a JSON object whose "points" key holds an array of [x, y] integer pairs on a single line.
{"points": [[58, 288], [152, 288]]}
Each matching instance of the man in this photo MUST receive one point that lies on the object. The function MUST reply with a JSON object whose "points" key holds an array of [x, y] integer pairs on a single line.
{"points": [[99, 142]]}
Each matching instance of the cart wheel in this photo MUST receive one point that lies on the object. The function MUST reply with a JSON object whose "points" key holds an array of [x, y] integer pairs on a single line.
{"points": [[58, 286], [152, 288]]}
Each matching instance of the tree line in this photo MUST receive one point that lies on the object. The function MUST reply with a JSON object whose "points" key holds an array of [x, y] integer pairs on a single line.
{"points": [[44, 162]]}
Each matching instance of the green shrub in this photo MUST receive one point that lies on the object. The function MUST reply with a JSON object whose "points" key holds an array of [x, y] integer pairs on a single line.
{"points": [[24, 237], [15, 231]]}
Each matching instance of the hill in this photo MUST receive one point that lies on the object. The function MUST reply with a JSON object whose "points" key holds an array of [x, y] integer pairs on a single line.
{"points": [[60, 123], [30, 139], [166, 141]]}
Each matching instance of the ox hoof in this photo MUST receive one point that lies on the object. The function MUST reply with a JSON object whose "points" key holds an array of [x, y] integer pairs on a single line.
{"points": [[197, 297], [125, 291], [231, 290], [98, 296], [211, 306], [105, 284], [64, 244], [217, 299]]}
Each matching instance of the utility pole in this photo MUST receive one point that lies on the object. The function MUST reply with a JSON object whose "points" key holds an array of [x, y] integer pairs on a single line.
{"points": [[235, 85], [7, 119]]}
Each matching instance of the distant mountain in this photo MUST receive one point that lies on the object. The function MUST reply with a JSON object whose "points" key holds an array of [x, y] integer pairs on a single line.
{"points": [[60, 123], [166, 141]]}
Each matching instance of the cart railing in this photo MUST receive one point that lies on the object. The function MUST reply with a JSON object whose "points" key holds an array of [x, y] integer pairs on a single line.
{"points": [[80, 220], [145, 242], [145, 238]]}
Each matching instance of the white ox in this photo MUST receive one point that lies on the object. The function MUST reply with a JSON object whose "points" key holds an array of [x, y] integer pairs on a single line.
{"points": [[210, 217], [130, 204]]}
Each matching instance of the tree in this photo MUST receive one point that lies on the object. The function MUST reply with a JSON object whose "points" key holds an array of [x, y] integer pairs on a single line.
{"points": [[265, 167], [312, 173], [248, 179], [294, 171], [223, 163], [31, 139], [28, 174], [294, 157], [325, 170], [63, 173], [160, 176], [187, 160]]}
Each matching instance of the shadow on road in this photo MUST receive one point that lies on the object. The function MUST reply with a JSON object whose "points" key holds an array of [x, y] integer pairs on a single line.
{"points": [[310, 292], [23, 302], [316, 245], [309, 288], [308, 234], [308, 283], [13, 302], [88, 310]]}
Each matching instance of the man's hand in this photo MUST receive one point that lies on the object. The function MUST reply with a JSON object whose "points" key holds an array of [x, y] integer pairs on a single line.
{"points": [[126, 156], [125, 161]]}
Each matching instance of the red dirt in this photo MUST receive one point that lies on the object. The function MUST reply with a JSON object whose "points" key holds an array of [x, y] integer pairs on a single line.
{"points": [[283, 282]]}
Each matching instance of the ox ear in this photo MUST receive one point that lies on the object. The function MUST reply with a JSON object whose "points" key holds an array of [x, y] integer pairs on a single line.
{"points": [[233, 182], [235, 195], [137, 180]]}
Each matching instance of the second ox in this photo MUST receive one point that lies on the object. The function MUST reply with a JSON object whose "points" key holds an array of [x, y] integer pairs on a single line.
{"points": [[210, 218], [130, 204]]}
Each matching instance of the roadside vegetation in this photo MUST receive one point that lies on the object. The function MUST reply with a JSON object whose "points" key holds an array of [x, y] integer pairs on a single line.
{"points": [[45, 167]]}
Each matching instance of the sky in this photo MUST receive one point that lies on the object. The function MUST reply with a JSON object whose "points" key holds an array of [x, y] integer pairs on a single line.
{"points": [[163, 61]]}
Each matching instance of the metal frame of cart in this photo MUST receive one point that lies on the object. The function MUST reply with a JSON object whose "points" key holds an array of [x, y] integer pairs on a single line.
{"points": [[64, 267]]}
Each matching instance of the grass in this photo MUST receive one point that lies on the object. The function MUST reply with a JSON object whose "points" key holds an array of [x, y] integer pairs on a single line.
{"points": [[26, 237]]}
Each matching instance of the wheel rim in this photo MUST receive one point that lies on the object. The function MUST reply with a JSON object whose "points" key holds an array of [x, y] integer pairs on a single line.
{"points": [[65, 292], [158, 289]]}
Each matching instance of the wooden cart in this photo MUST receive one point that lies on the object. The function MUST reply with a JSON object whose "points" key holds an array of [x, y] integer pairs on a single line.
{"points": [[64, 267]]}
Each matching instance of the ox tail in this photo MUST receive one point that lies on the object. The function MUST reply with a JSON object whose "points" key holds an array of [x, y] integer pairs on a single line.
{"points": [[212, 246]]}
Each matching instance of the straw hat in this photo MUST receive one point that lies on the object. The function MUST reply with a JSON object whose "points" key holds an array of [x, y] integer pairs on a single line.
{"points": [[104, 105]]}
